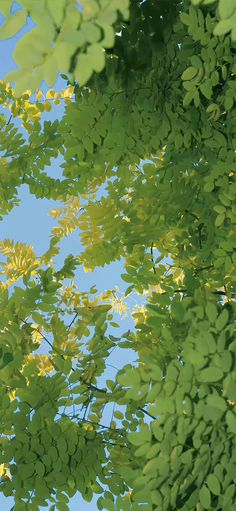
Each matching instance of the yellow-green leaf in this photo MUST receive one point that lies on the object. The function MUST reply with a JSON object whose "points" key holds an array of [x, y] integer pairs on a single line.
{"points": [[12, 25]]}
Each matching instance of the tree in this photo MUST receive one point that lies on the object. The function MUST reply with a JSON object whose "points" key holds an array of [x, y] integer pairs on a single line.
{"points": [[155, 128]]}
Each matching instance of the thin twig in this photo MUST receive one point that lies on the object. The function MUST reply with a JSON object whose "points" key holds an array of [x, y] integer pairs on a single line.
{"points": [[203, 268], [80, 419], [9, 120], [73, 320], [147, 413], [192, 214], [153, 265]]}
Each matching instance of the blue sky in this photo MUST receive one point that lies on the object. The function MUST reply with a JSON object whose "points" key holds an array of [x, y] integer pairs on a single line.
{"points": [[29, 222]]}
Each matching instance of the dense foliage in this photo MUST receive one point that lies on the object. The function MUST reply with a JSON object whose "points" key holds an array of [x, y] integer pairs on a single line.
{"points": [[148, 144]]}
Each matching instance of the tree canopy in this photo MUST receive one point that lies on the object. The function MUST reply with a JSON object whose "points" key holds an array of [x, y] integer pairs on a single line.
{"points": [[148, 143]]}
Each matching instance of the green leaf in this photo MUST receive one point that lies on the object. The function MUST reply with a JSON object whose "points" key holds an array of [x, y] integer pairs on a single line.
{"points": [[211, 311], [213, 484], [97, 57], [189, 73], [195, 358], [188, 98], [178, 311], [208, 2], [226, 8], [62, 506], [27, 470], [38, 318], [206, 89], [91, 32], [222, 320], [108, 40], [216, 401], [219, 220], [185, 18], [50, 70], [83, 70], [118, 415], [46, 307], [223, 27], [57, 10], [210, 374], [131, 377], [141, 437], [205, 497], [40, 468], [151, 466], [12, 25], [5, 7], [231, 421], [219, 209]]}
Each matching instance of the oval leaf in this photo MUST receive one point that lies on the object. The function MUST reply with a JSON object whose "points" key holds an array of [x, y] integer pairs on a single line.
{"points": [[12, 25]]}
